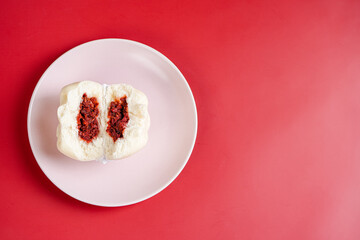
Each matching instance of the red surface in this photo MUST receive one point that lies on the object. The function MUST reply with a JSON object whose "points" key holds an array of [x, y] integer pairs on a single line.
{"points": [[277, 86]]}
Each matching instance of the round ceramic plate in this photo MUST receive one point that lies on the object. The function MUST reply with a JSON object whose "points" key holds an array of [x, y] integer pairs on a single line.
{"points": [[172, 131]]}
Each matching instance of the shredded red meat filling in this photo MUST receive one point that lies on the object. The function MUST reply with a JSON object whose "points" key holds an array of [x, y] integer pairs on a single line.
{"points": [[87, 122], [118, 118]]}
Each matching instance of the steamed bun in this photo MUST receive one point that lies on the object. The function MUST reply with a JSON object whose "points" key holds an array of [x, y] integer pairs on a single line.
{"points": [[101, 122]]}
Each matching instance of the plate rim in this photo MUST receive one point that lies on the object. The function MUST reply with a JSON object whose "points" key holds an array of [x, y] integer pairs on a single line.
{"points": [[167, 60]]}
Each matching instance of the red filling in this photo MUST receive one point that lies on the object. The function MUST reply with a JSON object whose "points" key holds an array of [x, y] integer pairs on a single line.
{"points": [[87, 122], [118, 118]]}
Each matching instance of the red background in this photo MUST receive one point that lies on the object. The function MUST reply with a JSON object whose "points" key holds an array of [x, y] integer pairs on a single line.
{"points": [[277, 86]]}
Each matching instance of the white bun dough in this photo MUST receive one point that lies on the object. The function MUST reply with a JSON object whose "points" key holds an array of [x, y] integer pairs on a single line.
{"points": [[103, 146]]}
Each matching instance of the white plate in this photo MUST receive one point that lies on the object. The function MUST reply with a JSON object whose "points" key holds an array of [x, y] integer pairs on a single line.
{"points": [[172, 132]]}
